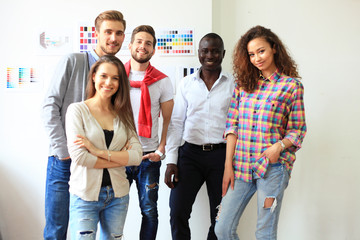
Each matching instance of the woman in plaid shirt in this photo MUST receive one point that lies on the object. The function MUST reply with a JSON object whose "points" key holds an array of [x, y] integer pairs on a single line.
{"points": [[265, 127]]}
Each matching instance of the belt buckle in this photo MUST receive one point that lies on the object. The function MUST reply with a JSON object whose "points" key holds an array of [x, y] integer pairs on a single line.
{"points": [[207, 147]]}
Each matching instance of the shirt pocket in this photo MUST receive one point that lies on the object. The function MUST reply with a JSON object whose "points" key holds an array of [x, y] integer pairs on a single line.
{"points": [[273, 112]]}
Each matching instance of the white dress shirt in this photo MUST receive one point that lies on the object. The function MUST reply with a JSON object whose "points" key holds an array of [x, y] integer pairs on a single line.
{"points": [[199, 115]]}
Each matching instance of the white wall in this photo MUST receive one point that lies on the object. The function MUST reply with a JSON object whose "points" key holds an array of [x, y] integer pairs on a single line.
{"points": [[24, 145], [321, 200]]}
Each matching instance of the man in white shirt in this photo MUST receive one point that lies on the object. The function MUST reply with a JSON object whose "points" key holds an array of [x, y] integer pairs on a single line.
{"points": [[151, 93], [199, 116]]}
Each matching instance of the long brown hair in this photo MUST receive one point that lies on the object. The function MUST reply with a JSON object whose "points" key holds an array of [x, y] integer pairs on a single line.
{"points": [[121, 99], [246, 74]]}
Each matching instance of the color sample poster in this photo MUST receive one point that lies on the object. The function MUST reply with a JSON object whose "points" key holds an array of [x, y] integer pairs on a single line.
{"points": [[21, 78], [87, 38], [175, 42], [184, 71], [54, 41], [88, 41]]}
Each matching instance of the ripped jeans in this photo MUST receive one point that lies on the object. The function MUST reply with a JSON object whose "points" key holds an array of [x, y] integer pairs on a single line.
{"points": [[110, 211], [147, 177], [271, 187]]}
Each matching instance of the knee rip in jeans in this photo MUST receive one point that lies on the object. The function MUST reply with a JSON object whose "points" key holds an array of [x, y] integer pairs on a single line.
{"points": [[151, 186], [86, 233], [118, 236], [270, 202], [218, 213]]}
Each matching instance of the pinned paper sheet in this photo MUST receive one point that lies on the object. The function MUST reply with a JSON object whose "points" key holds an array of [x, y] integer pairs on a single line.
{"points": [[21, 78], [87, 38]]}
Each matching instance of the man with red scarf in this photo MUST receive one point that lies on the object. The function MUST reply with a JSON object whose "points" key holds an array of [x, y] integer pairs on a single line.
{"points": [[151, 93]]}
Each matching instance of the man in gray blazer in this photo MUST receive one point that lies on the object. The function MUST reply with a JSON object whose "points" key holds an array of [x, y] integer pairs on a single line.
{"points": [[68, 86]]}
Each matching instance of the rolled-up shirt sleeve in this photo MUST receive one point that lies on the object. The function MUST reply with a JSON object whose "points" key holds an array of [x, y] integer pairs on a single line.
{"points": [[232, 119], [296, 126]]}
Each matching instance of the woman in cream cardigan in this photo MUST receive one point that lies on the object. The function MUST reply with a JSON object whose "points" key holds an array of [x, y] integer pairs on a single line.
{"points": [[102, 140]]}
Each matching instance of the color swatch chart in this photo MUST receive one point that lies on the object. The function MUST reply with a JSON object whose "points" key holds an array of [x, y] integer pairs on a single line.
{"points": [[184, 71], [20, 77], [87, 38], [50, 41], [175, 42]]}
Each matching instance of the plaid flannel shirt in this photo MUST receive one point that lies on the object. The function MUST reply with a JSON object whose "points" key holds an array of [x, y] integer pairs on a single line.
{"points": [[275, 110]]}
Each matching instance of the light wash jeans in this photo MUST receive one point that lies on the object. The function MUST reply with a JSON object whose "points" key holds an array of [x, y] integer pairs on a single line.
{"points": [[234, 202], [110, 211]]}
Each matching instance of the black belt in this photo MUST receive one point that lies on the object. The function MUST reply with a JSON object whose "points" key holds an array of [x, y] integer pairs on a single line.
{"points": [[207, 147]]}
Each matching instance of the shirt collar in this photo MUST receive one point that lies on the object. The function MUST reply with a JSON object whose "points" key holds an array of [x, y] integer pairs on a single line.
{"points": [[222, 75], [94, 55], [273, 77]]}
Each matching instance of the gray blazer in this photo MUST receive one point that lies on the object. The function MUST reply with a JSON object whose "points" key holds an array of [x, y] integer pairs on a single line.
{"points": [[67, 86]]}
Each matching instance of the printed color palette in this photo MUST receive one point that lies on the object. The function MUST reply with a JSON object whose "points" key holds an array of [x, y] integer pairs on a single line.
{"points": [[20, 77], [175, 42], [54, 41], [187, 71], [87, 38]]}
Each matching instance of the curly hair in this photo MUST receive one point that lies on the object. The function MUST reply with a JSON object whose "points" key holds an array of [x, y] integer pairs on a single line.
{"points": [[245, 73], [121, 99]]}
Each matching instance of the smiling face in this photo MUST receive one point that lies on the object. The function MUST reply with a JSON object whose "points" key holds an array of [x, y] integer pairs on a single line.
{"points": [[142, 47], [106, 80], [109, 37], [261, 55], [211, 53]]}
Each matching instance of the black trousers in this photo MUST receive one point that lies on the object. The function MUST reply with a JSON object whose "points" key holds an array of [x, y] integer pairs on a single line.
{"points": [[195, 167]]}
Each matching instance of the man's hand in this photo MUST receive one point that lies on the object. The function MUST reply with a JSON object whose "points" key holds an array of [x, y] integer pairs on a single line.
{"points": [[171, 175], [154, 157]]}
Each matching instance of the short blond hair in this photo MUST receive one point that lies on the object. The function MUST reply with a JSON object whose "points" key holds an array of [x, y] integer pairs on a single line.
{"points": [[111, 15]]}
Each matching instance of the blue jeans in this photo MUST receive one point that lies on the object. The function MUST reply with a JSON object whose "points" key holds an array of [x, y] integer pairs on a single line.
{"points": [[146, 177], [57, 198], [195, 167], [234, 202], [110, 211]]}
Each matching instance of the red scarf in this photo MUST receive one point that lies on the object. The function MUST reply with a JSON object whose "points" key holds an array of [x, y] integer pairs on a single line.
{"points": [[151, 75]]}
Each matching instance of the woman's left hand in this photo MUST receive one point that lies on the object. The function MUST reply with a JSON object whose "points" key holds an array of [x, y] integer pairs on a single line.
{"points": [[272, 153], [84, 142]]}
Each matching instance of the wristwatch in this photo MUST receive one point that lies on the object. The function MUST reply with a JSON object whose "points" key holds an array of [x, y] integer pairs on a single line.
{"points": [[162, 156]]}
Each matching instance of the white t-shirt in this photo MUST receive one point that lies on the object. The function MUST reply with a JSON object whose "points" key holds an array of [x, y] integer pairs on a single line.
{"points": [[160, 91]]}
